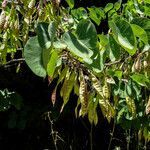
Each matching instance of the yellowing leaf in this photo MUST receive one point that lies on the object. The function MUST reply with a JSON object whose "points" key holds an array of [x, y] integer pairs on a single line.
{"points": [[68, 86]]}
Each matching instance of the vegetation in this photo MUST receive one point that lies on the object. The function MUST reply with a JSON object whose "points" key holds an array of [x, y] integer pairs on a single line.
{"points": [[107, 69]]}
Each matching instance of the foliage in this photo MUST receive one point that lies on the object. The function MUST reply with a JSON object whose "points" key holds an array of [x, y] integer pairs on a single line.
{"points": [[106, 70]]}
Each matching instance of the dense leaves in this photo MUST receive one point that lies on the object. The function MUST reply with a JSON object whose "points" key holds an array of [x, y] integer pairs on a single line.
{"points": [[109, 71]]}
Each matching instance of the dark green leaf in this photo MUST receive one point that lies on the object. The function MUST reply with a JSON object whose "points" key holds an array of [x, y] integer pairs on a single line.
{"points": [[43, 35], [33, 56], [114, 49], [123, 34], [52, 30], [87, 34], [84, 42]]}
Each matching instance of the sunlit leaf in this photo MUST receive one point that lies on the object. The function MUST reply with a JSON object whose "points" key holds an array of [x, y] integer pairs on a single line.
{"points": [[70, 3], [140, 79], [144, 23], [123, 34], [108, 7], [139, 32], [96, 14], [83, 42], [52, 63]]}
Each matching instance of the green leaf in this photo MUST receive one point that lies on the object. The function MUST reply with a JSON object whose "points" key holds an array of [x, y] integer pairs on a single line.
{"points": [[92, 112], [76, 47], [59, 44], [43, 34], [103, 40], [86, 33], [98, 61], [70, 3], [140, 79], [96, 14], [52, 63], [79, 13], [33, 56], [83, 42], [139, 32], [68, 86], [117, 5], [16, 100], [144, 23], [123, 34], [114, 49], [108, 7], [52, 30]]}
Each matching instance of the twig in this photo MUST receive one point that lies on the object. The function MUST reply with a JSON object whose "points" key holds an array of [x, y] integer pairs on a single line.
{"points": [[53, 133], [113, 63], [14, 61]]}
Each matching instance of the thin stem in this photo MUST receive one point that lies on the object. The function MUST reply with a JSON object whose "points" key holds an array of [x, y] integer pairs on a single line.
{"points": [[91, 137], [112, 134], [128, 140], [54, 136], [145, 143]]}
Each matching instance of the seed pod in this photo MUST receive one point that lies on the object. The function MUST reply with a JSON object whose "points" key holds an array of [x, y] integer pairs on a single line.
{"points": [[16, 26], [106, 91], [31, 4], [83, 95], [137, 65], [53, 96], [97, 86], [131, 106], [5, 37], [145, 64], [147, 110], [6, 24], [4, 3], [2, 19]]}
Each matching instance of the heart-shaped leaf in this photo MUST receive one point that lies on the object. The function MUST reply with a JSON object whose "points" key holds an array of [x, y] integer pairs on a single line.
{"points": [[33, 56]]}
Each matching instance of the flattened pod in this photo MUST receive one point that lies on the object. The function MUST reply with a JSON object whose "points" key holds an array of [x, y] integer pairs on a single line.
{"points": [[2, 19], [31, 4], [97, 86], [83, 95], [131, 106], [147, 110], [137, 65], [106, 91], [68, 86]]}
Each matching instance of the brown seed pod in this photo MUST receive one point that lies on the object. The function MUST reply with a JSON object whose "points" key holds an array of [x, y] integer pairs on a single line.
{"points": [[147, 110], [31, 4], [145, 64], [6, 24], [2, 19], [16, 26], [138, 65]]}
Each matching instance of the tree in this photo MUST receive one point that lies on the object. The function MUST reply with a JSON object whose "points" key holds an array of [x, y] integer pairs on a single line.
{"points": [[107, 70]]}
